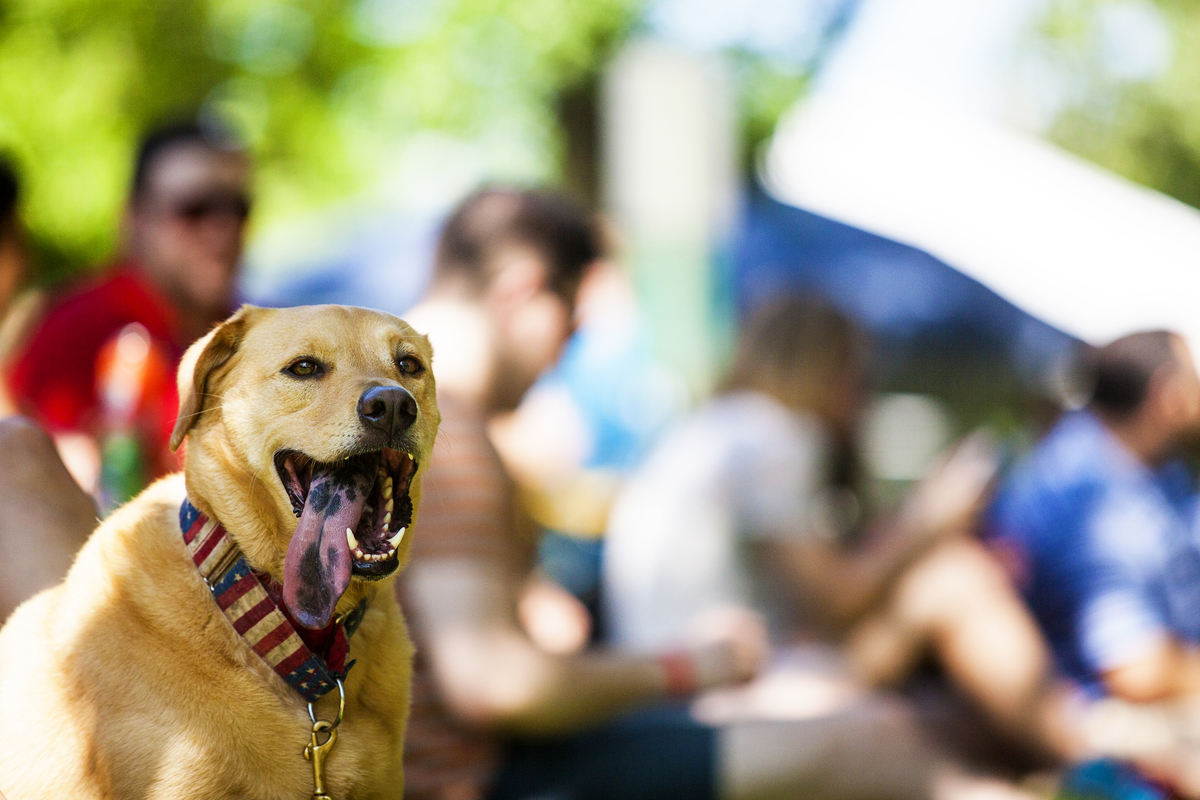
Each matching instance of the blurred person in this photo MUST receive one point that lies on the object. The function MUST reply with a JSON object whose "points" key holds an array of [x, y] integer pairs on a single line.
{"points": [[46, 516], [1101, 520], [36, 493], [754, 503], [580, 430], [493, 713], [508, 267], [97, 370]]}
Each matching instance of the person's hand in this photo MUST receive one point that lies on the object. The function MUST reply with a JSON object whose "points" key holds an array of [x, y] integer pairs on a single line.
{"points": [[554, 619], [953, 494], [727, 645]]}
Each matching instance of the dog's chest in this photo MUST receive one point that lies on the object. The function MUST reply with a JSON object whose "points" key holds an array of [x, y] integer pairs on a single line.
{"points": [[364, 761]]}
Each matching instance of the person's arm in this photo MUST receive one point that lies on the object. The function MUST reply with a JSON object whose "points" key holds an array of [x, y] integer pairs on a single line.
{"points": [[1168, 671], [844, 582], [491, 674], [1123, 633], [44, 516]]}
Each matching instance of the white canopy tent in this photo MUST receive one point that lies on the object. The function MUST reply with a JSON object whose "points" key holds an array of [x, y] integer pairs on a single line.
{"points": [[1088, 252]]}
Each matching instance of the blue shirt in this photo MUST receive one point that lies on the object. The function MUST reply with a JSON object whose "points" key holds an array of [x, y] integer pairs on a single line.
{"points": [[1109, 546]]}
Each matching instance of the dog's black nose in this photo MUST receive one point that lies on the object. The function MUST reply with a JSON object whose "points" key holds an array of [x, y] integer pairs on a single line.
{"points": [[391, 409]]}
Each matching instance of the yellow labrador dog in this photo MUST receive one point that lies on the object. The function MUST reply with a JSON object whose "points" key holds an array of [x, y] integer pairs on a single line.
{"points": [[225, 634]]}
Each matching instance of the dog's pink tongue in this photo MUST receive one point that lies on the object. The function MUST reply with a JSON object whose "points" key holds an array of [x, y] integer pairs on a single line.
{"points": [[316, 570]]}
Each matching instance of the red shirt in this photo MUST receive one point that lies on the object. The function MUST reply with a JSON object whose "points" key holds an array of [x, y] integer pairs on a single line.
{"points": [[54, 377]]}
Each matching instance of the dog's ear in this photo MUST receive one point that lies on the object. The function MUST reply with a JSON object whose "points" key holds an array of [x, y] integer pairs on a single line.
{"points": [[198, 363]]}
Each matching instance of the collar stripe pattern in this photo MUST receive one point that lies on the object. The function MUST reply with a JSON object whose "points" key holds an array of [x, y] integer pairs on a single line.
{"points": [[253, 614]]}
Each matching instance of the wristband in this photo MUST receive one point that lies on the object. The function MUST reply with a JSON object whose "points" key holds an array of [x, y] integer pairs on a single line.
{"points": [[680, 670]]}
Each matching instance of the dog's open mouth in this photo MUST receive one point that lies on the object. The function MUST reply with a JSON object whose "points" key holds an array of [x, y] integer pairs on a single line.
{"points": [[353, 515]]}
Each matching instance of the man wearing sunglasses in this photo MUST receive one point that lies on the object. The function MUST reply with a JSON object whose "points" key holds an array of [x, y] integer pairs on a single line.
{"points": [[98, 369]]}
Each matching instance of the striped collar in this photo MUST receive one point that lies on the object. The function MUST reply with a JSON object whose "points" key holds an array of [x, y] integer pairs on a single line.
{"points": [[252, 605]]}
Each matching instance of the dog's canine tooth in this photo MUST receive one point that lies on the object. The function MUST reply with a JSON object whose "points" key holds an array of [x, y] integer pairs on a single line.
{"points": [[350, 540], [395, 540]]}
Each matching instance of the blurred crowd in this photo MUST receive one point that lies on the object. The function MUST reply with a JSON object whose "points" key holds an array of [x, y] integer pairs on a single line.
{"points": [[715, 609]]}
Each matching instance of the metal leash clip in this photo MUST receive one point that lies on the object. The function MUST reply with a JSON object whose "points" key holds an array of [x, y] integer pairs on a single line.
{"points": [[317, 751]]}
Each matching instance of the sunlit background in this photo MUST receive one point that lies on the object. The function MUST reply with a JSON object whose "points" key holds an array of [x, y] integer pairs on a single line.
{"points": [[909, 159]]}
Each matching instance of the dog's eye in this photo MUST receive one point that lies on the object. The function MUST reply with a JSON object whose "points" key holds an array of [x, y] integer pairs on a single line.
{"points": [[304, 368], [409, 365]]}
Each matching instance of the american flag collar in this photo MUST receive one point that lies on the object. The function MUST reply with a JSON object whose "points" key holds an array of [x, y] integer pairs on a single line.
{"points": [[257, 616]]}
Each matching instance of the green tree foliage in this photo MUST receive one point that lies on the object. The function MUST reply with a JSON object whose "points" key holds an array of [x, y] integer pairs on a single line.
{"points": [[765, 90], [1145, 127], [325, 92]]}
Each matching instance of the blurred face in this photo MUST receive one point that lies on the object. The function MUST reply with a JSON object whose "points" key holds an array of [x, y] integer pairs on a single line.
{"points": [[1179, 395], [532, 325], [188, 228]]}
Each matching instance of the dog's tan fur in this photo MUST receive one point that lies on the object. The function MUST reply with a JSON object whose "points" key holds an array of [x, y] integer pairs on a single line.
{"points": [[128, 681]]}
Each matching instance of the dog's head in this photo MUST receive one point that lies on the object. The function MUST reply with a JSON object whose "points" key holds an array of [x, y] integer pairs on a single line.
{"points": [[308, 431]]}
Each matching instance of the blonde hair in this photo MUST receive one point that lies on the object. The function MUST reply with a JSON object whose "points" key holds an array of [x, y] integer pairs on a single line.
{"points": [[795, 349]]}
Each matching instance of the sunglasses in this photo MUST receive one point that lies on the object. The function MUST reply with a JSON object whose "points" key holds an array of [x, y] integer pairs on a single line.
{"points": [[198, 209]]}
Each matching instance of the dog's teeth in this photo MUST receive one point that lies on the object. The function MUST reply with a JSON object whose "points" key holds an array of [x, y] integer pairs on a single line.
{"points": [[389, 506], [395, 540], [387, 489], [350, 540], [387, 518]]}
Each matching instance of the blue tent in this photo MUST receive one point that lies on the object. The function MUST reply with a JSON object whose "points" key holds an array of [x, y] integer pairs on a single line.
{"points": [[905, 297]]}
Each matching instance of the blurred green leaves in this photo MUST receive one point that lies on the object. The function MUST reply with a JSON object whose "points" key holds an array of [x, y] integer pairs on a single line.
{"points": [[1143, 124], [331, 95]]}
